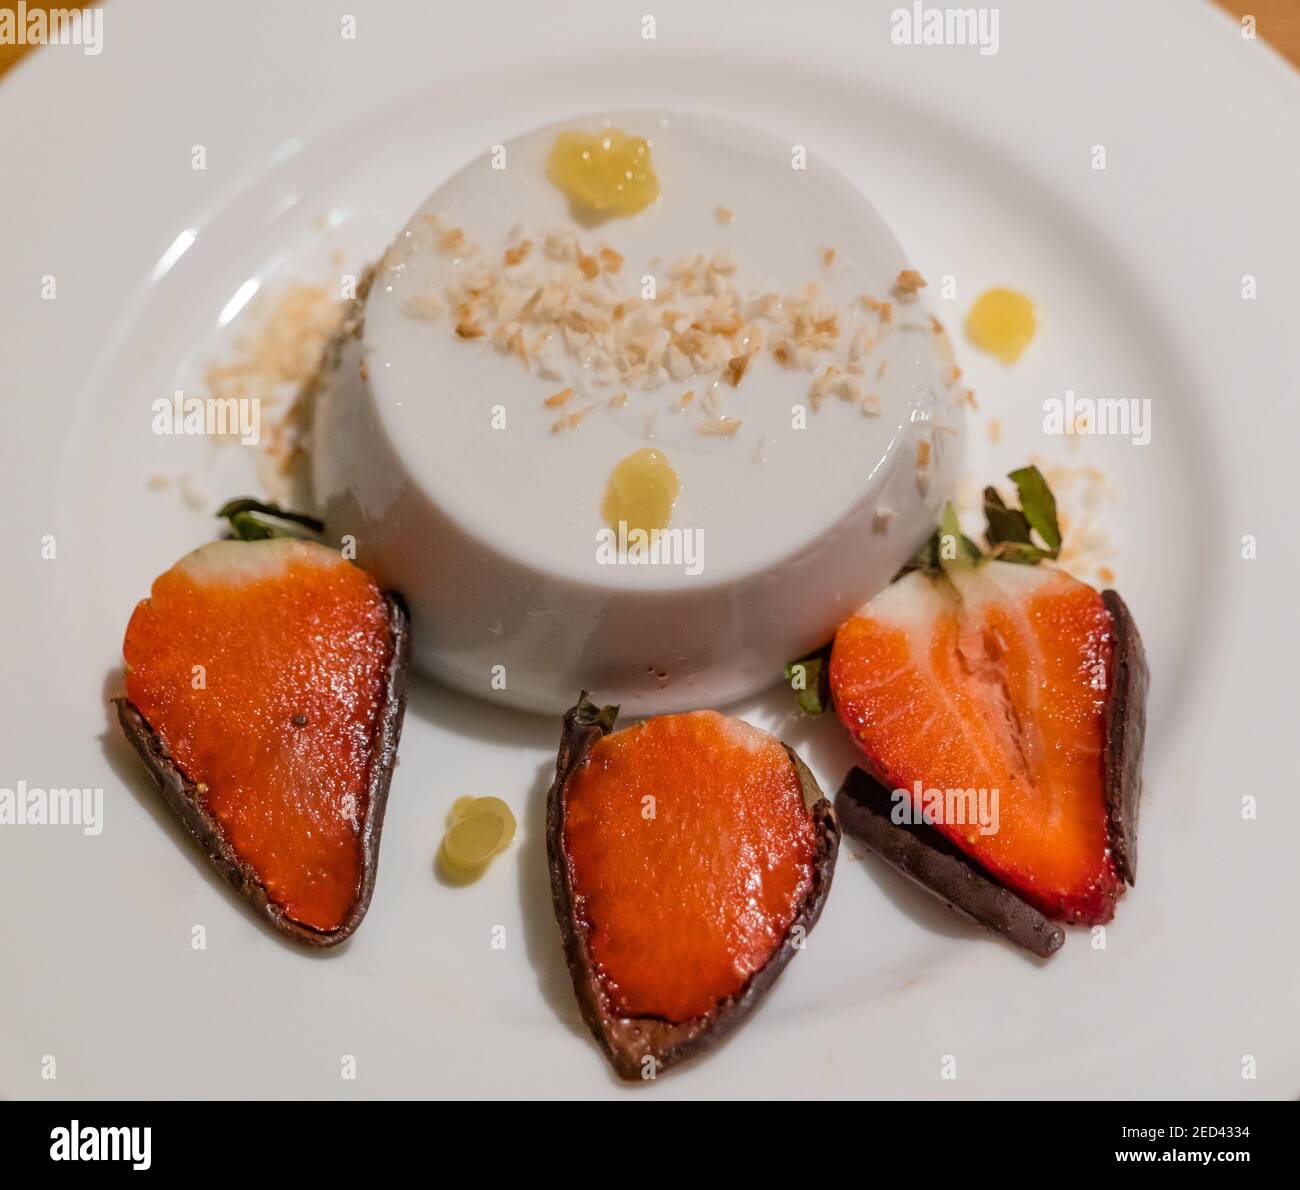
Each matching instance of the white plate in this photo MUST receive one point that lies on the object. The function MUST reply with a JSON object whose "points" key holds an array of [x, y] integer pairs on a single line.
{"points": [[982, 165]]}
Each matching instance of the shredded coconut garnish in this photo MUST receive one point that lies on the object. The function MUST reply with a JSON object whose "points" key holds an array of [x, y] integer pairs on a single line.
{"points": [[907, 284], [274, 363], [567, 305]]}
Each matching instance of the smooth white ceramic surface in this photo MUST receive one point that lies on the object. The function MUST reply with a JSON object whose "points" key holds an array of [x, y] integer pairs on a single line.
{"points": [[982, 166], [437, 453]]}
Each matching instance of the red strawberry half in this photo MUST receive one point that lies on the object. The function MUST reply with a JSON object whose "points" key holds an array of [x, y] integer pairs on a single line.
{"points": [[1012, 678], [278, 757]]}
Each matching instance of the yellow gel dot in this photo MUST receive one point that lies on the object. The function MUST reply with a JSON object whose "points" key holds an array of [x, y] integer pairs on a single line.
{"points": [[473, 841], [641, 492], [1002, 322], [480, 828], [473, 807], [607, 173]]}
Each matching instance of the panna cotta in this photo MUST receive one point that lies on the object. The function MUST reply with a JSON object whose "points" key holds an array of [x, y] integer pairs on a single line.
{"points": [[641, 403]]}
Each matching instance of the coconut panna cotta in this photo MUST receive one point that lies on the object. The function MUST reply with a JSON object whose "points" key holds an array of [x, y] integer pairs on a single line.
{"points": [[645, 403]]}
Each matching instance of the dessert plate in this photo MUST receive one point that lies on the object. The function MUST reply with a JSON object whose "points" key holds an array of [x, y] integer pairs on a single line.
{"points": [[126, 271]]}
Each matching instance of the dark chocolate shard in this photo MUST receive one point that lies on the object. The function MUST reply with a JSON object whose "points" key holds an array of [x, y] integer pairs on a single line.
{"points": [[642, 1047], [921, 853], [186, 800], [1126, 721]]}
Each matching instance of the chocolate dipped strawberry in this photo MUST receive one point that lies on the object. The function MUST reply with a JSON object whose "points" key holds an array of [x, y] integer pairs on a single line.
{"points": [[990, 680], [689, 856], [265, 687]]}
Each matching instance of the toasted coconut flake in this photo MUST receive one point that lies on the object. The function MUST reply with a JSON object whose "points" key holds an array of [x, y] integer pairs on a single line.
{"points": [[611, 261], [451, 240], [828, 257], [724, 214], [555, 400], [571, 420], [467, 324], [720, 427], [517, 346], [847, 389], [518, 254], [821, 385], [678, 364], [906, 285]]}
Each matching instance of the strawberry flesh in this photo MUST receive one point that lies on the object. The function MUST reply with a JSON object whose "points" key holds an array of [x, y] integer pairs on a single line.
{"points": [[261, 666], [690, 851], [994, 677]]}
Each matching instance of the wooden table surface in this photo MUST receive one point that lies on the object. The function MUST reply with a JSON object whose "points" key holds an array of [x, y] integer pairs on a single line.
{"points": [[1276, 21]]}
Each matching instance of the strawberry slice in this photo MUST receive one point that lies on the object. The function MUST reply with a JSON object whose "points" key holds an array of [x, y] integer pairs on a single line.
{"points": [[1000, 677], [689, 857], [265, 686]]}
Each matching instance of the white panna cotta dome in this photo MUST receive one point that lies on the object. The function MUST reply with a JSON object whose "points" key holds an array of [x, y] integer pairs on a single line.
{"points": [[512, 350]]}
